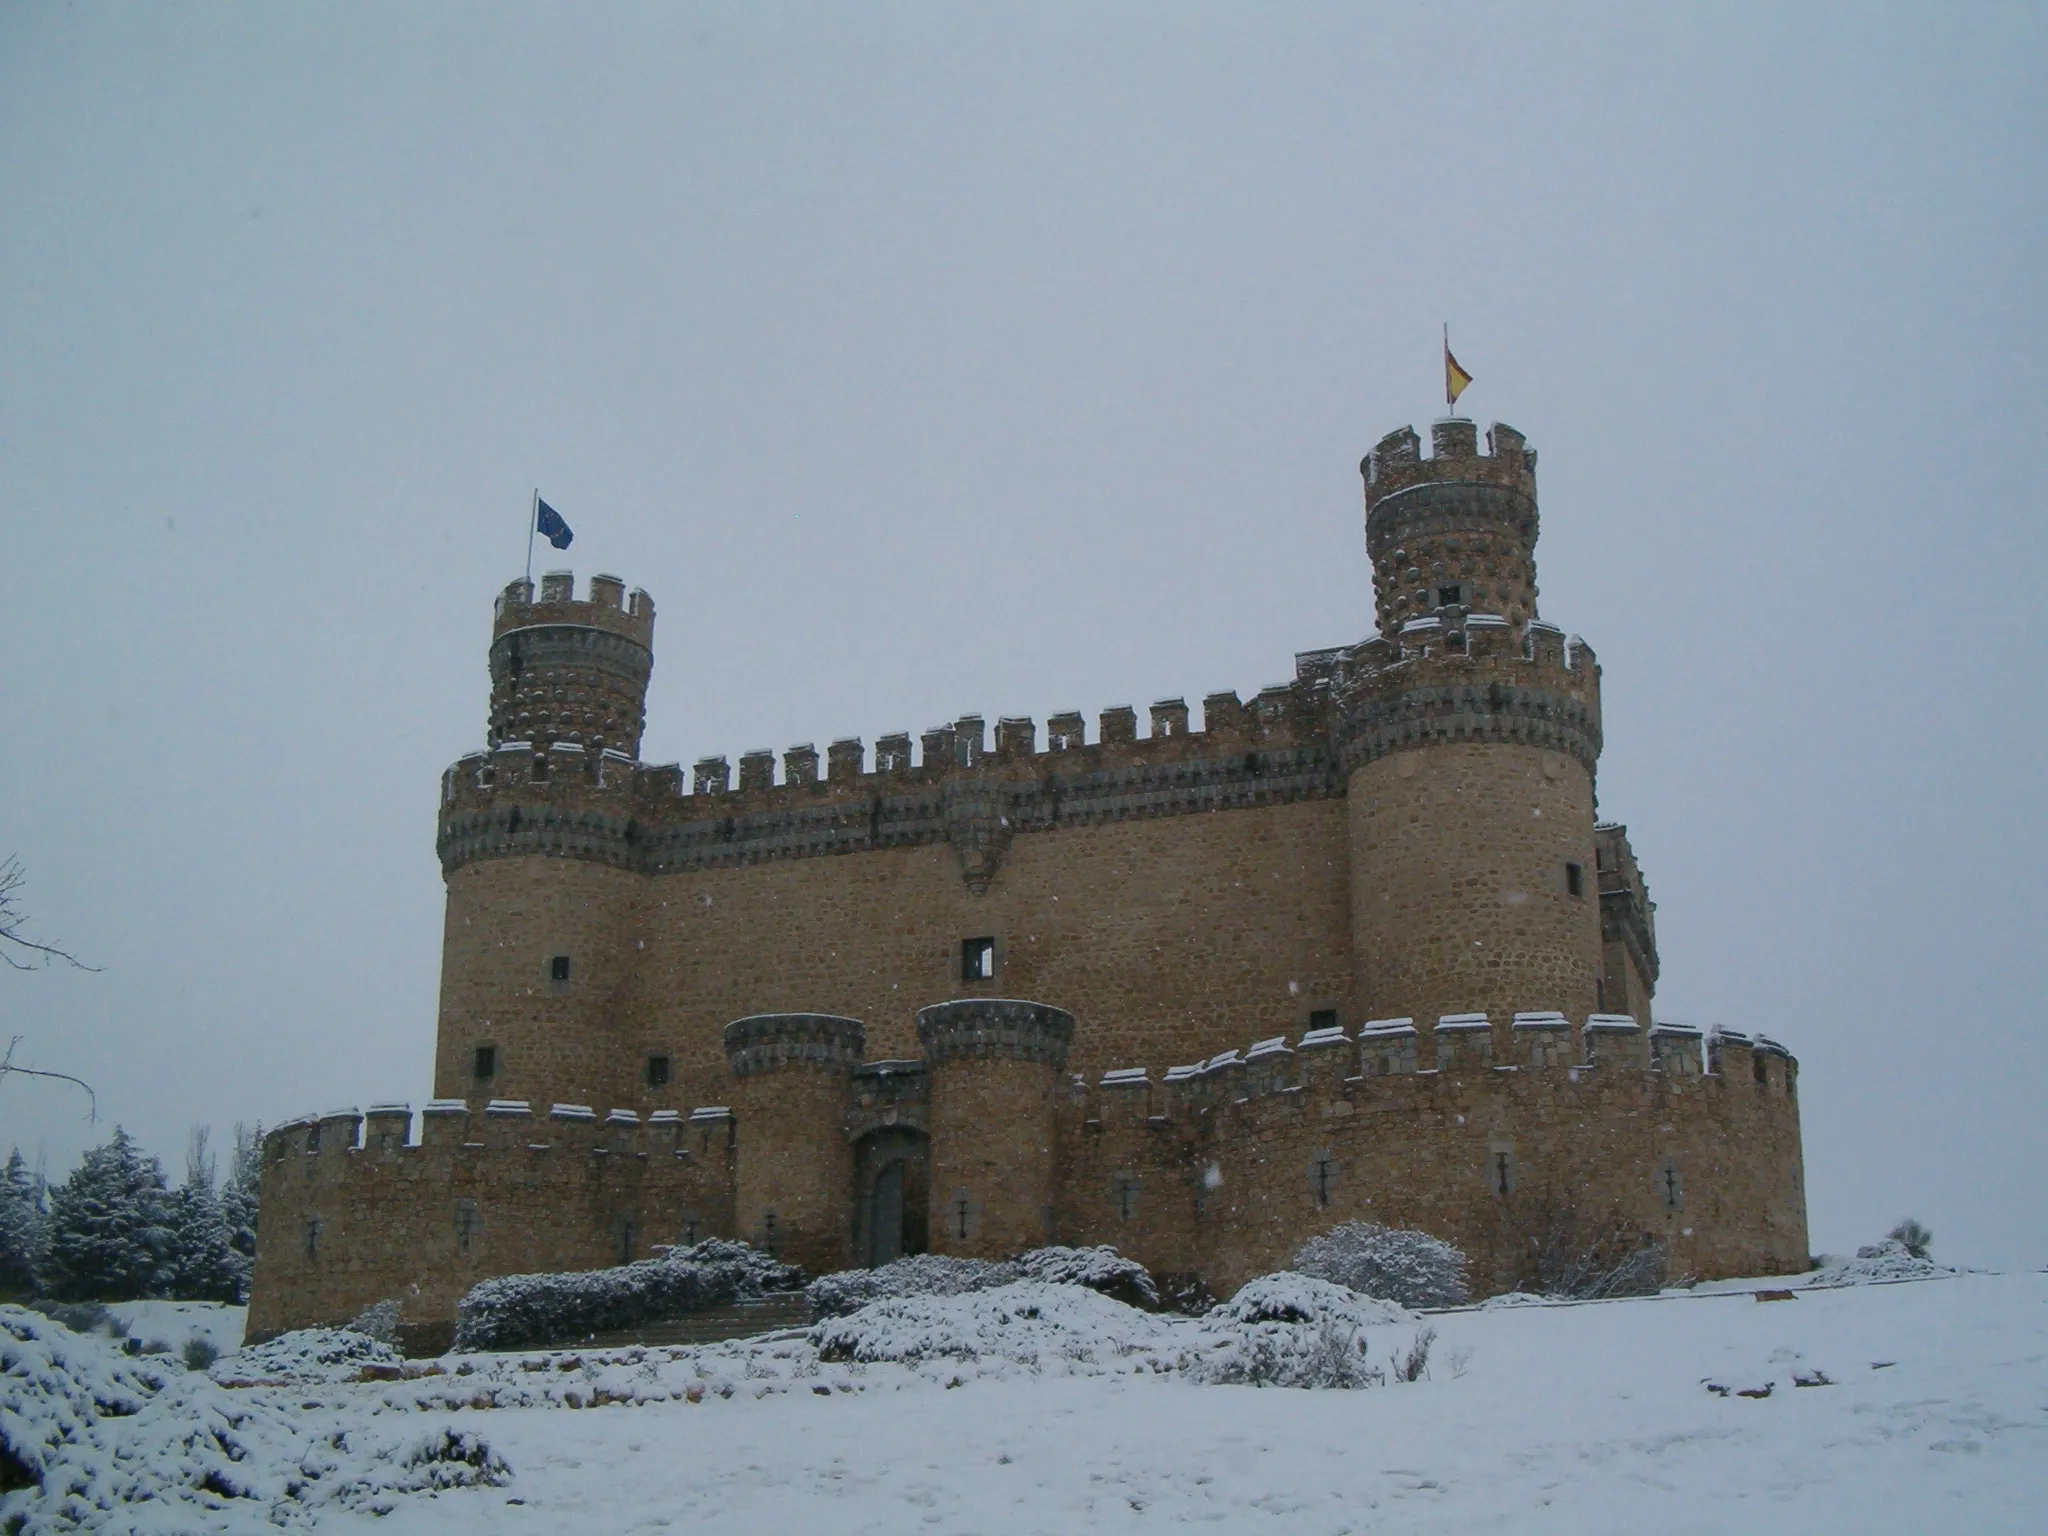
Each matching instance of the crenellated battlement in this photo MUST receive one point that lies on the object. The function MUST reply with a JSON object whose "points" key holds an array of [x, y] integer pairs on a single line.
{"points": [[1397, 464], [447, 1126], [1391, 1056], [564, 800], [605, 605], [1461, 676]]}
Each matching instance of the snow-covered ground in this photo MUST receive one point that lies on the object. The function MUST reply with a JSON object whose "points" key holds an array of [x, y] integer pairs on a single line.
{"points": [[173, 1322], [1925, 1408]]}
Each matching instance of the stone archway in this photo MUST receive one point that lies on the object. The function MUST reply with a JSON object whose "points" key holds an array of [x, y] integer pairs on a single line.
{"points": [[892, 1194]]}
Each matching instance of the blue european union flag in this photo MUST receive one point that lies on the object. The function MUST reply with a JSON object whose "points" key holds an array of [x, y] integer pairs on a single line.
{"points": [[549, 524]]}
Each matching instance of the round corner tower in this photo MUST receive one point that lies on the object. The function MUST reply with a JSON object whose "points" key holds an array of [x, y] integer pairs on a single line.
{"points": [[995, 1067], [535, 844], [1470, 733]]}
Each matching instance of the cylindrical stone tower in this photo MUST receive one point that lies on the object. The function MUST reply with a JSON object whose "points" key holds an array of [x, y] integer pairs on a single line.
{"points": [[539, 922], [1470, 732], [795, 1176], [568, 671], [994, 1066]]}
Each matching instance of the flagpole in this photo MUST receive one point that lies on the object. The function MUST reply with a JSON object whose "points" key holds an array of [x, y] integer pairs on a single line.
{"points": [[533, 517], [1450, 400]]}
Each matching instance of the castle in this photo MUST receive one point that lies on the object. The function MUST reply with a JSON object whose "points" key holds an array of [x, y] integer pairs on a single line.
{"points": [[1357, 948]]}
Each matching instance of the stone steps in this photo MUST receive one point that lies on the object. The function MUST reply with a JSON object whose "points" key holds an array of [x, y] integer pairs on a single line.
{"points": [[738, 1320]]}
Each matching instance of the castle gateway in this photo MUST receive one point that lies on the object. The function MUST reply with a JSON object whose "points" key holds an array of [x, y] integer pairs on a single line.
{"points": [[1357, 948]]}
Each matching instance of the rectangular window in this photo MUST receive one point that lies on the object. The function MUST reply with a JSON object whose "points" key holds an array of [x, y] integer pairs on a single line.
{"points": [[1446, 596], [977, 959], [1322, 1018], [558, 968], [1575, 879], [657, 1071], [486, 1065]]}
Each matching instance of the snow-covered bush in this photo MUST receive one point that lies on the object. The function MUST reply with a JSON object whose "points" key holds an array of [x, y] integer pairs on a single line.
{"points": [[1392, 1263], [92, 1440], [514, 1311], [1913, 1235], [1027, 1322], [931, 1274], [303, 1356], [921, 1274], [1290, 1330], [1569, 1255], [1100, 1268], [379, 1320], [1888, 1260]]}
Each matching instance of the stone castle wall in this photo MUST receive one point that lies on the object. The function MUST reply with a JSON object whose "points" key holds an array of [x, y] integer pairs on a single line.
{"points": [[353, 1214], [1218, 1172], [1226, 1173]]}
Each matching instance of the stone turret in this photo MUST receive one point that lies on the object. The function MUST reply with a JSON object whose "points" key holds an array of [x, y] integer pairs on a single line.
{"points": [[1444, 537], [1469, 733], [994, 1065], [569, 671], [794, 1181]]}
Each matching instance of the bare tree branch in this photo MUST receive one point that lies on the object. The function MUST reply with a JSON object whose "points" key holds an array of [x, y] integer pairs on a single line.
{"points": [[7, 1067], [13, 941]]}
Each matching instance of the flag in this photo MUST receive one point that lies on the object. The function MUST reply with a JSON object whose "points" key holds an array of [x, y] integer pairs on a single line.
{"points": [[1455, 377], [548, 523]]}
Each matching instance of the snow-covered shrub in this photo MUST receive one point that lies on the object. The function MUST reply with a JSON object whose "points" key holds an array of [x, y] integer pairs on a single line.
{"points": [[379, 1320], [450, 1458], [921, 1274], [199, 1352], [82, 1317], [1888, 1260], [1100, 1268], [1290, 1330], [1913, 1235], [1392, 1263], [305, 1355], [514, 1311], [1028, 1322], [1565, 1254], [92, 1440], [931, 1274]]}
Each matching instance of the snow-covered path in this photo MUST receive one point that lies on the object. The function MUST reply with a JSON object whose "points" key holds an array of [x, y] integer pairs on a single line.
{"points": [[1569, 1419]]}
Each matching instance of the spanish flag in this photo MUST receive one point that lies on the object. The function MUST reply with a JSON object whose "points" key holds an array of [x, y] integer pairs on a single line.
{"points": [[1455, 377]]}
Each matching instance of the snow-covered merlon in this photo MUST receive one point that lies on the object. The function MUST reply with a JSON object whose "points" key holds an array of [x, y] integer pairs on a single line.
{"points": [[1331, 1057]]}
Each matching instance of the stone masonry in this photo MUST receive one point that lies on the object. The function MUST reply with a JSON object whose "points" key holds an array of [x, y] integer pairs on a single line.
{"points": [[1356, 947]]}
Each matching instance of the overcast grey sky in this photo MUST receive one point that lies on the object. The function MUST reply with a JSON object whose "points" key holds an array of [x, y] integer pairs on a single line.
{"points": [[923, 360]]}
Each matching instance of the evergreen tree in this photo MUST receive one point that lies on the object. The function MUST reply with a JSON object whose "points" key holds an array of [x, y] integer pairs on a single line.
{"points": [[202, 1265], [110, 1232], [240, 1195], [24, 1227]]}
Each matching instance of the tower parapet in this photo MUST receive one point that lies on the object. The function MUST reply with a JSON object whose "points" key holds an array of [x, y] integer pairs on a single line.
{"points": [[1456, 530], [569, 671]]}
